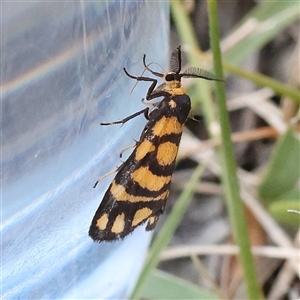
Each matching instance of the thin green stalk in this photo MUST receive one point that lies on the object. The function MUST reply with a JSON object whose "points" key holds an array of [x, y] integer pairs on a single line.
{"points": [[165, 234], [229, 178], [263, 80], [185, 30]]}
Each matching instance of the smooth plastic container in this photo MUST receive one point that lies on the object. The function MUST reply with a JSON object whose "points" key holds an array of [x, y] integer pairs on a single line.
{"points": [[61, 76]]}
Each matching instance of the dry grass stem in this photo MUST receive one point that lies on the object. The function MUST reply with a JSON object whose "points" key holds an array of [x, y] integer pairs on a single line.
{"points": [[263, 251]]}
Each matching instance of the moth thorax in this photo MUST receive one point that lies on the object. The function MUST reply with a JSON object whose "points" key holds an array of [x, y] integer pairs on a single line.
{"points": [[174, 84]]}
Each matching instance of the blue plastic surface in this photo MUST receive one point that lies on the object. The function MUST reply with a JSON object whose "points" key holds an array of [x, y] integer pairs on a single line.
{"points": [[61, 76]]}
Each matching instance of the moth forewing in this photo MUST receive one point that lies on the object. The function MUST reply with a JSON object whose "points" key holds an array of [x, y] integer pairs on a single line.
{"points": [[139, 191]]}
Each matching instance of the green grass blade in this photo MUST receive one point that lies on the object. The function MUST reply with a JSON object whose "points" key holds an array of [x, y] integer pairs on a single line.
{"points": [[228, 163], [161, 285], [265, 81], [260, 26], [164, 236]]}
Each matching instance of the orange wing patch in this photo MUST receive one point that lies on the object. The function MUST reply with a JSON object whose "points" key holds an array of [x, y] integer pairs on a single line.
{"points": [[166, 153]]}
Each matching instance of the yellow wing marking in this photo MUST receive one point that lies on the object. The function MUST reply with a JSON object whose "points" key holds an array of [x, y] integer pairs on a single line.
{"points": [[141, 215], [166, 153], [119, 224], [167, 125], [172, 104], [146, 179], [143, 149], [102, 222], [119, 193]]}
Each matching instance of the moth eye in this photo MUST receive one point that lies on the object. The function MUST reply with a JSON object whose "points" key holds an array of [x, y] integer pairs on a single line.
{"points": [[170, 77]]}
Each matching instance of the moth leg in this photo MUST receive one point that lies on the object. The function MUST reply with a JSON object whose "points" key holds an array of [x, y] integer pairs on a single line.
{"points": [[148, 69], [117, 169], [143, 111], [104, 176], [126, 148], [146, 114], [150, 95], [152, 221], [152, 86]]}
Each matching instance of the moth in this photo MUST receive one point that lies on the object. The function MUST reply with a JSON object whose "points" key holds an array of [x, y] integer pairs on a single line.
{"points": [[141, 187]]}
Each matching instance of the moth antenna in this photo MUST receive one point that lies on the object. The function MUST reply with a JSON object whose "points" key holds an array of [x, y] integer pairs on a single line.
{"points": [[199, 73], [175, 60]]}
